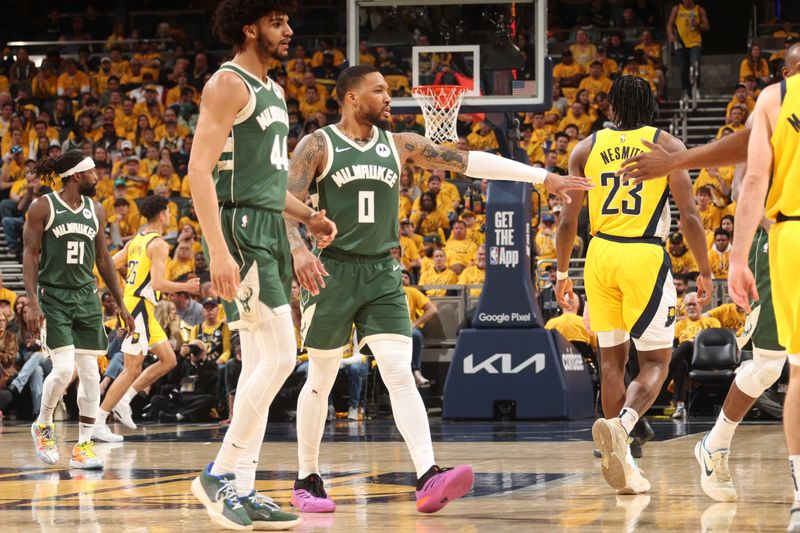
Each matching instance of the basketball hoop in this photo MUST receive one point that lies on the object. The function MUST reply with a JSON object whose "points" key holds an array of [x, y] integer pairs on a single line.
{"points": [[440, 105]]}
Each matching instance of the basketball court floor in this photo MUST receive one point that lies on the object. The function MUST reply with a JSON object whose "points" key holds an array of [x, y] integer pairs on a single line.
{"points": [[530, 476]]}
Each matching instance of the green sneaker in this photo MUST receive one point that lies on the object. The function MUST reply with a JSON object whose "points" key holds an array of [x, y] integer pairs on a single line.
{"points": [[266, 514], [218, 494]]}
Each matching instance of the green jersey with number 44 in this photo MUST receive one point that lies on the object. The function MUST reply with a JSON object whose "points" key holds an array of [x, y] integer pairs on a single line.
{"points": [[253, 167], [360, 191], [67, 257]]}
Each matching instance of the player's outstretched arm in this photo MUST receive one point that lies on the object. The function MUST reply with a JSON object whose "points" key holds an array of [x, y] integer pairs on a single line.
{"points": [[158, 251], [32, 233], [568, 225], [223, 97], [429, 155], [305, 165], [658, 162], [680, 184], [106, 268], [749, 209]]}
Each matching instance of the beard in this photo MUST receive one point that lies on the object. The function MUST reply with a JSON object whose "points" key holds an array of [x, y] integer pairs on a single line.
{"points": [[88, 189], [376, 119], [268, 49]]}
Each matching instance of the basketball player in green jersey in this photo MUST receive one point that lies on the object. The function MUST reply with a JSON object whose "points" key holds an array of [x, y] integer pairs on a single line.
{"points": [[64, 239], [237, 175], [355, 166], [769, 357]]}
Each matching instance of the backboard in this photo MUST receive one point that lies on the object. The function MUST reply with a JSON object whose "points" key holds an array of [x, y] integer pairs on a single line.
{"points": [[496, 48]]}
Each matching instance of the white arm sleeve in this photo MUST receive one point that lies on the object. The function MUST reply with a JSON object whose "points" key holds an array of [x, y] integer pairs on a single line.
{"points": [[493, 167]]}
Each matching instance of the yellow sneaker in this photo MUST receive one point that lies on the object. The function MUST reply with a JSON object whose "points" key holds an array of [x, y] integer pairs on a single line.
{"points": [[44, 438], [83, 456]]}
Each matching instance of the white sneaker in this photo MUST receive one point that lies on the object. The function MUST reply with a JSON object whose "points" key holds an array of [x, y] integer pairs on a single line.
{"points": [[124, 414], [617, 464], [421, 380], [680, 411], [715, 477], [794, 520], [103, 433], [718, 518], [352, 413]]}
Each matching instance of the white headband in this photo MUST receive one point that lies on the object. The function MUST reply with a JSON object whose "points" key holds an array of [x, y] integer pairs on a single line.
{"points": [[85, 164]]}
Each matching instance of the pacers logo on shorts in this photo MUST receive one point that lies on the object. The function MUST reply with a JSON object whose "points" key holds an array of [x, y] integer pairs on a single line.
{"points": [[135, 338], [670, 317]]}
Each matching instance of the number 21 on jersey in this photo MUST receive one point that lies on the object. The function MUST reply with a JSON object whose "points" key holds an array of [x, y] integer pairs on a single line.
{"points": [[631, 204]]}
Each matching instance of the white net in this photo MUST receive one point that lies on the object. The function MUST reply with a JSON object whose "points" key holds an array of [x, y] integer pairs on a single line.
{"points": [[440, 104]]}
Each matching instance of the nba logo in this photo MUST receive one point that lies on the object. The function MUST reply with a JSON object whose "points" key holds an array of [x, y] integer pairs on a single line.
{"points": [[494, 255]]}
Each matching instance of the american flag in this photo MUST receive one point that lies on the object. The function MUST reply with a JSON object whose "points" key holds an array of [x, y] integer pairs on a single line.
{"points": [[523, 88]]}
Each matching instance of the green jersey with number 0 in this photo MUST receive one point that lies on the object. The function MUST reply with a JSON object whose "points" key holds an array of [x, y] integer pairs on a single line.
{"points": [[253, 167], [360, 191], [68, 241]]}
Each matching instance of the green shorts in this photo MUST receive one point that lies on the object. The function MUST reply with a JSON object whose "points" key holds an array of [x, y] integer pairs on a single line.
{"points": [[258, 242], [765, 336], [73, 319], [367, 292]]}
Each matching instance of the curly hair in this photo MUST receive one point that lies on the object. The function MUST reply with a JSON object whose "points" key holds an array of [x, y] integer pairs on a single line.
{"points": [[152, 206], [231, 15]]}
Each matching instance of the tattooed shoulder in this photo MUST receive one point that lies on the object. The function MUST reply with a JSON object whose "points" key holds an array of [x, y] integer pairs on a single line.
{"points": [[306, 161]]}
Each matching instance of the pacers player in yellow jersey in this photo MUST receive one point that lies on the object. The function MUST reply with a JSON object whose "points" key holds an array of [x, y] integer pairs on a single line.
{"points": [[774, 153], [146, 257], [628, 281]]}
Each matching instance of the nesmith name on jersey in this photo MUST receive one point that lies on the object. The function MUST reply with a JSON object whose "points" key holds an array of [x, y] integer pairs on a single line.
{"points": [[272, 114], [619, 152], [74, 227], [365, 172]]}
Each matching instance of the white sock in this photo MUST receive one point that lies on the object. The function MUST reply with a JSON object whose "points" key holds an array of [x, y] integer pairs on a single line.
{"points": [[628, 417], [394, 362], [101, 417], [254, 396], [84, 432], [129, 395], [312, 407], [56, 383], [794, 462], [720, 436]]}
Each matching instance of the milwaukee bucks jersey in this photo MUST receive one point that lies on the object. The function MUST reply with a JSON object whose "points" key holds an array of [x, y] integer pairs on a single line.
{"points": [[252, 169], [359, 190], [139, 282], [67, 257]]}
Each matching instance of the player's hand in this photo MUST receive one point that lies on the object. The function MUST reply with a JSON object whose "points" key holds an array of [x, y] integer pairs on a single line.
{"points": [[704, 289], [224, 274], [656, 163], [559, 185], [564, 290], [309, 270], [130, 325], [34, 319], [322, 228], [741, 285], [193, 286]]}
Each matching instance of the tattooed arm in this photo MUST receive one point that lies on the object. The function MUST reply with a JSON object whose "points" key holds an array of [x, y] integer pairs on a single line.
{"points": [[426, 154], [307, 162]]}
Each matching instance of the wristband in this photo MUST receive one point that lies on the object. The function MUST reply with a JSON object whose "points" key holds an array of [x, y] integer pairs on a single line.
{"points": [[561, 275]]}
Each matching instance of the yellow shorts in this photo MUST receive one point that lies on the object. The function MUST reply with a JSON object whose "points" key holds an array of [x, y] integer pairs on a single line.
{"points": [[784, 264], [629, 287], [148, 331]]}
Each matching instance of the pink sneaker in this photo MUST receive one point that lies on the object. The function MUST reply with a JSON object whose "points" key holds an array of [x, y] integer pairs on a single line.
{"points": [[440, 486], [309, 496]]}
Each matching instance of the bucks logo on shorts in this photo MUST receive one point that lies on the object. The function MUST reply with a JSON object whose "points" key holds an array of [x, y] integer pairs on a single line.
{"points": [[360, 191]]}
